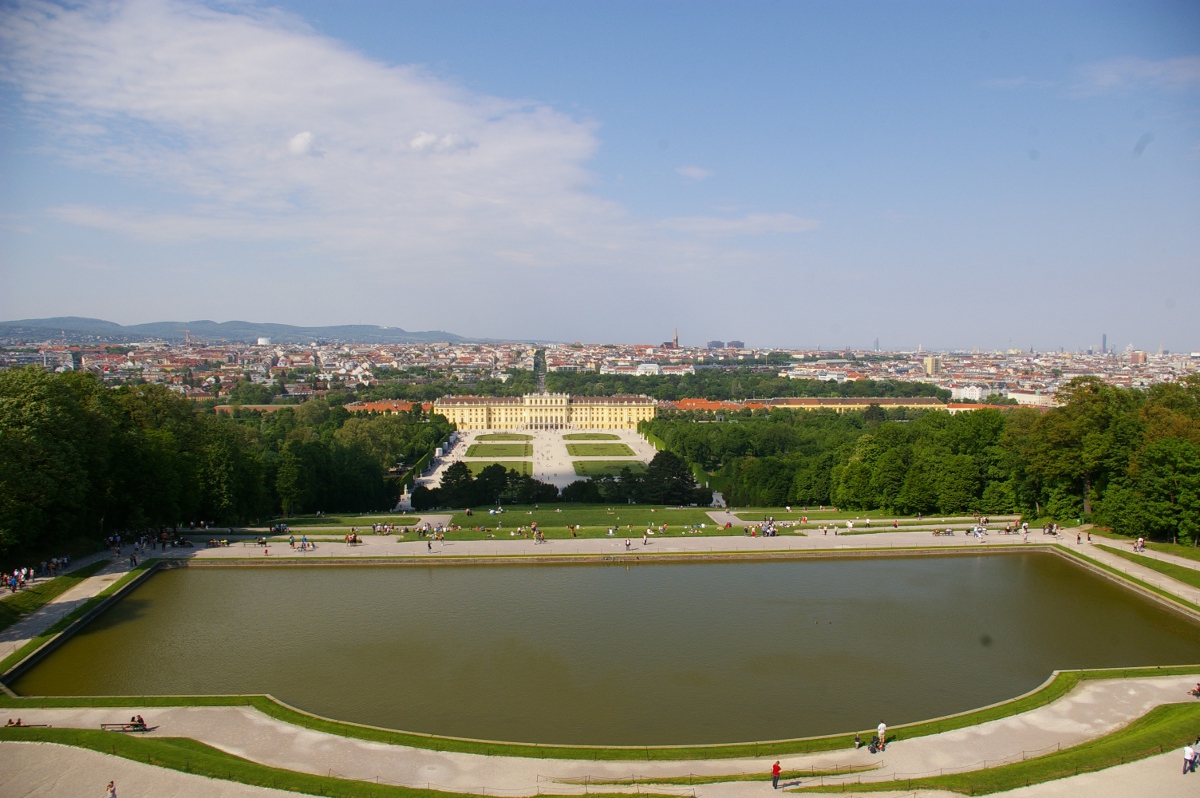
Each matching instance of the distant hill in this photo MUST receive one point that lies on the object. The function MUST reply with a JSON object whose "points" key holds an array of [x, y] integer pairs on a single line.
{"points": [[80, 330]]}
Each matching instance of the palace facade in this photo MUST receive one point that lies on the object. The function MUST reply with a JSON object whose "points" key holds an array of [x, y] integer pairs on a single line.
{"points": [[546, 411]]}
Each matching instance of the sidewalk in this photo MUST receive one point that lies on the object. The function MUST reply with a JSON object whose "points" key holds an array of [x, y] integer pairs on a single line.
{"points": [[1149, 576], [1091, 710], [49, 614]]}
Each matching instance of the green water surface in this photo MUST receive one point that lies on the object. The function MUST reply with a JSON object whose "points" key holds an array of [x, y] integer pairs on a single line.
{"points": [[648, 654]]}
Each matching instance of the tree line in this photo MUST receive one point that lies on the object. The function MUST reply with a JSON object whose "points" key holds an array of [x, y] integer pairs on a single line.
{"points": [[730, 384], [1124, 458], [80, 460], [668, 479]]}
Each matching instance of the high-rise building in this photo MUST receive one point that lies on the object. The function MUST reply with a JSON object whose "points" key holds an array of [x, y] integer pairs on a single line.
{"points": [[933, 364], [736, 345], [1104, 343], [715, 345]]}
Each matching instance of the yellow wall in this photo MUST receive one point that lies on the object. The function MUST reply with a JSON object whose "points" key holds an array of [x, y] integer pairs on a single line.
{"points": [[546, 411]]}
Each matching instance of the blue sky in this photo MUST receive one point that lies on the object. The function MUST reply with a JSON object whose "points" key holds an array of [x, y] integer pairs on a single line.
{"points": [[789, 174]]}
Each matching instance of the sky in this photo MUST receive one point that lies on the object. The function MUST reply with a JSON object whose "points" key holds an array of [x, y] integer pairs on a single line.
{"points": [[792, 174]]}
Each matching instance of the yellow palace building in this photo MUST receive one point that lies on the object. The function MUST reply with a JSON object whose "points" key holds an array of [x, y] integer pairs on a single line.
{"points": [[546, 411]]}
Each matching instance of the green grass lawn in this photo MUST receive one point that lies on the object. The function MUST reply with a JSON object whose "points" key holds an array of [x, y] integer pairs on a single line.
{"points": [[500, 451], [599, 450], [503, 436], [297, 522], [876, 516], [591, 436], [1162, 729], [598, 468], [1179, 550], [1189, 576], [523, 467], [593, 519], [17, 605]]}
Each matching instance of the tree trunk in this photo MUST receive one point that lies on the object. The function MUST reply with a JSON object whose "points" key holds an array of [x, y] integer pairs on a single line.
{"points": [[1087, 497]]}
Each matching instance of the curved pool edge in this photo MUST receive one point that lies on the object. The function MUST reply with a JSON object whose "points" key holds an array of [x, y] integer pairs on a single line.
{"points": [[1058, 685]]}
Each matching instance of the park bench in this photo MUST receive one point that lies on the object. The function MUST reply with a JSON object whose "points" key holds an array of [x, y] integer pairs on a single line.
{"points": [[126, 727]]}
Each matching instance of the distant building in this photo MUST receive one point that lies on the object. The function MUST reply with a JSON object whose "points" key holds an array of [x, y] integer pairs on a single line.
{"points": [[264, 341], [737, 345], [1137, 358], [648, 369], [933, 364], [715, 345], [546, 411]]}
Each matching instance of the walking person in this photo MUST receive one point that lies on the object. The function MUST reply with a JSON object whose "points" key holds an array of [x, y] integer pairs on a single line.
{"points": [[111, 790], [1189, 758], [775, 771], [882, 730]]}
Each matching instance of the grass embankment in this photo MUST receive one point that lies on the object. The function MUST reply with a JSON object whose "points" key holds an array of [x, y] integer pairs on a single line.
{"points": [[34, 644], [17, 605], [330, 520], [1176, 549], [522, 467], [503, 436], [1056, 688], [189, 756], [598, 468], [1130, 578], [1189, 576], [1162, 729], [591, 436], [599, 450], [500, 451]]}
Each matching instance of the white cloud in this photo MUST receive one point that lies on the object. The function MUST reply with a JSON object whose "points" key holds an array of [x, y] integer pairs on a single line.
{"points": [[751, 224], [1122, 74], [261, 146], [301, 143], [693, 172]]}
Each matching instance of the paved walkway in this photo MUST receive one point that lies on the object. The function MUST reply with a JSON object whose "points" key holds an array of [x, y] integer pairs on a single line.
{"points": [[1150, 554], [1149, 576], [1091, 710], [49, 614]]}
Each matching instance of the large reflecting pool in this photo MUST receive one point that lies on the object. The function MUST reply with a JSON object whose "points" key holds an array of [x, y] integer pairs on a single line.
{"points": [[612, 654]]}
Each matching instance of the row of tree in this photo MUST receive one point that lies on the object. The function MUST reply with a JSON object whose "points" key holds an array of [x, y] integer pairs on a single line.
{"points": [[80, 460], [1125, 458], [729, 384], [667, 480]]}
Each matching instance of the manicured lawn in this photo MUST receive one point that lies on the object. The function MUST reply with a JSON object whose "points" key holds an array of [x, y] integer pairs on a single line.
{"points": [[500, 450], [593, 520], [599, 450], [598, 468], [17, 605], [341, 520], [1187, 552], [523, 467], [1189, 576], [591, 436], [503, 436], [877, 516], [1130, 577], [1163, 728]]}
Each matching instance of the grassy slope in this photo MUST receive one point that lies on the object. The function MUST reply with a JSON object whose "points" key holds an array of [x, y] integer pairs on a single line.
{"points": [[503, 436], [1189, 576], [18, 605], [27, 649], [1163, 728], [298, 522], [1058, 687], [591, 436], [593, 517], [1133, 579]]}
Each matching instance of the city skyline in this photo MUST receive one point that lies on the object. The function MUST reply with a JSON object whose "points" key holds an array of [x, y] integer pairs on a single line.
{"points": [[992, 176]]}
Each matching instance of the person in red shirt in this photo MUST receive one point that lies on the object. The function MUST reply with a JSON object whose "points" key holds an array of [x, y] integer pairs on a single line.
{"points": [[775, 771]]}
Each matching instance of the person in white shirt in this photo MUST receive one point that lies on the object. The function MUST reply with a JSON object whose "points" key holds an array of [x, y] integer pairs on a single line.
{"points": [[1189, 758], [882, 729]]}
